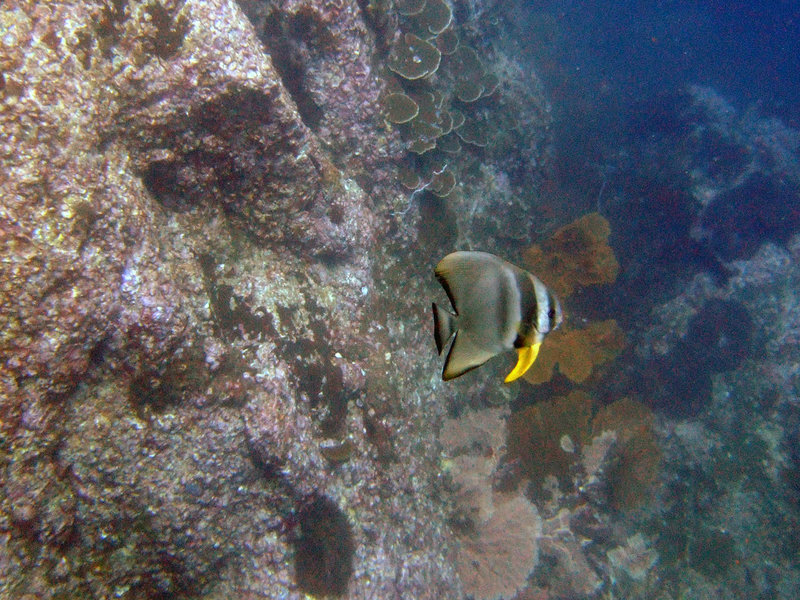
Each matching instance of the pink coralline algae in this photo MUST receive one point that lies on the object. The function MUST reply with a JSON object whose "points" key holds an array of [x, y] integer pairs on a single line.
{"points": [[210, 385], [184, 278]]}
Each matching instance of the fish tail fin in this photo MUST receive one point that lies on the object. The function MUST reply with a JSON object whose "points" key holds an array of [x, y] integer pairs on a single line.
{"points": [[444, 326]]}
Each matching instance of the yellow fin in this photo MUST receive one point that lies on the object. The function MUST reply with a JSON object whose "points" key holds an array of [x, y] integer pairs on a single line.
{"points": [[527, 355]]}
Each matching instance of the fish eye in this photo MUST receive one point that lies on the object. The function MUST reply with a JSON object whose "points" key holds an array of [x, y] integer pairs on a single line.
{"points": [[551, 314]]}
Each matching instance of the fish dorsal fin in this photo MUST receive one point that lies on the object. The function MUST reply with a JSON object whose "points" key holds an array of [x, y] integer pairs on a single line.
{"points": [[461, 273], [463, 356]]}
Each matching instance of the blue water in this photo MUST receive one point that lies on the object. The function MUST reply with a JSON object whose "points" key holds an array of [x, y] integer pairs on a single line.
{"points": [[746, 50], [678, 121]]}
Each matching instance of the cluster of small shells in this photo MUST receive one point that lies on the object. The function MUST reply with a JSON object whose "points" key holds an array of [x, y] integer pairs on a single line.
{"points": [[426, 115]]}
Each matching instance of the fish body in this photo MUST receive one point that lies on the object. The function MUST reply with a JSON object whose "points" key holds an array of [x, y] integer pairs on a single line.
{"points": [[498, 307]]}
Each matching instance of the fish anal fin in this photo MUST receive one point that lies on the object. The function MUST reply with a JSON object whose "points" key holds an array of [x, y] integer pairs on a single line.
{"points": [[463, 356]]}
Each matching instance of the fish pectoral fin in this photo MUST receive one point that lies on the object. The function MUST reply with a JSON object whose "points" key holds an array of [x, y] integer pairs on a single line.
{"points": [[526, 357], [444, 326]]}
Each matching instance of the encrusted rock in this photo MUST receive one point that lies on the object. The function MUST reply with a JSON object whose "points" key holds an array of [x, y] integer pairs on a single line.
{"points": [[185, 278]]}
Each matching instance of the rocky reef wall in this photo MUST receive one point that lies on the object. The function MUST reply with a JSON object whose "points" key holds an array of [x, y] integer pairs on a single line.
{"points": [[209, 383]]}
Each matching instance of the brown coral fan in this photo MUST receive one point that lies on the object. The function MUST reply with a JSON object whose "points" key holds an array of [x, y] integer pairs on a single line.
{"points": [[578, 254], [617, 447], [577, 351], [634, 470], [497, 533], [543, 437], [495, 559]]}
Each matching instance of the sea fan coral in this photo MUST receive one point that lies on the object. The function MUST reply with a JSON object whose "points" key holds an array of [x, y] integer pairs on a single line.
{"points": [[536, 436], [577, 351], [482, 430], [637, 457], [623, 458], [474, 440], [578, 254], [495, 559], [497, 532]]}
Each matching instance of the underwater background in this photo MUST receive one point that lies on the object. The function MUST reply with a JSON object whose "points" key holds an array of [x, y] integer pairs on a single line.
{"points": [[219, 221]]}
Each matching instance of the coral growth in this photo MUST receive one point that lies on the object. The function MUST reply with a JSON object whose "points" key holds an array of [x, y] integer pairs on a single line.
{"points": [[497, 532], [569, 573], [577, 351], [577, 255], [431, 66], [545, 437], [633, 472], [414, 58], [495, 558], [617, 448], [400, 108], [590, 466]]}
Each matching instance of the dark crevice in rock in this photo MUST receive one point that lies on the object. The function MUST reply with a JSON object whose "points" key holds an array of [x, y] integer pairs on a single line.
{"points": [[235, 112], [438, 227], [170, 31], [233, 316], [184, 373], [382, 20], [324, 549], [316, 375], [283, 36], [181, 182], [161, 181], [108, 27]]}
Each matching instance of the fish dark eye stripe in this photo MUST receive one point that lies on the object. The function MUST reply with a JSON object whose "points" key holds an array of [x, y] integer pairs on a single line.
{"points": [[551, 311]]}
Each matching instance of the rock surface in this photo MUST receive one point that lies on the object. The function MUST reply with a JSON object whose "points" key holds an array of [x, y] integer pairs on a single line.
{"points": [[209, 384]]}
